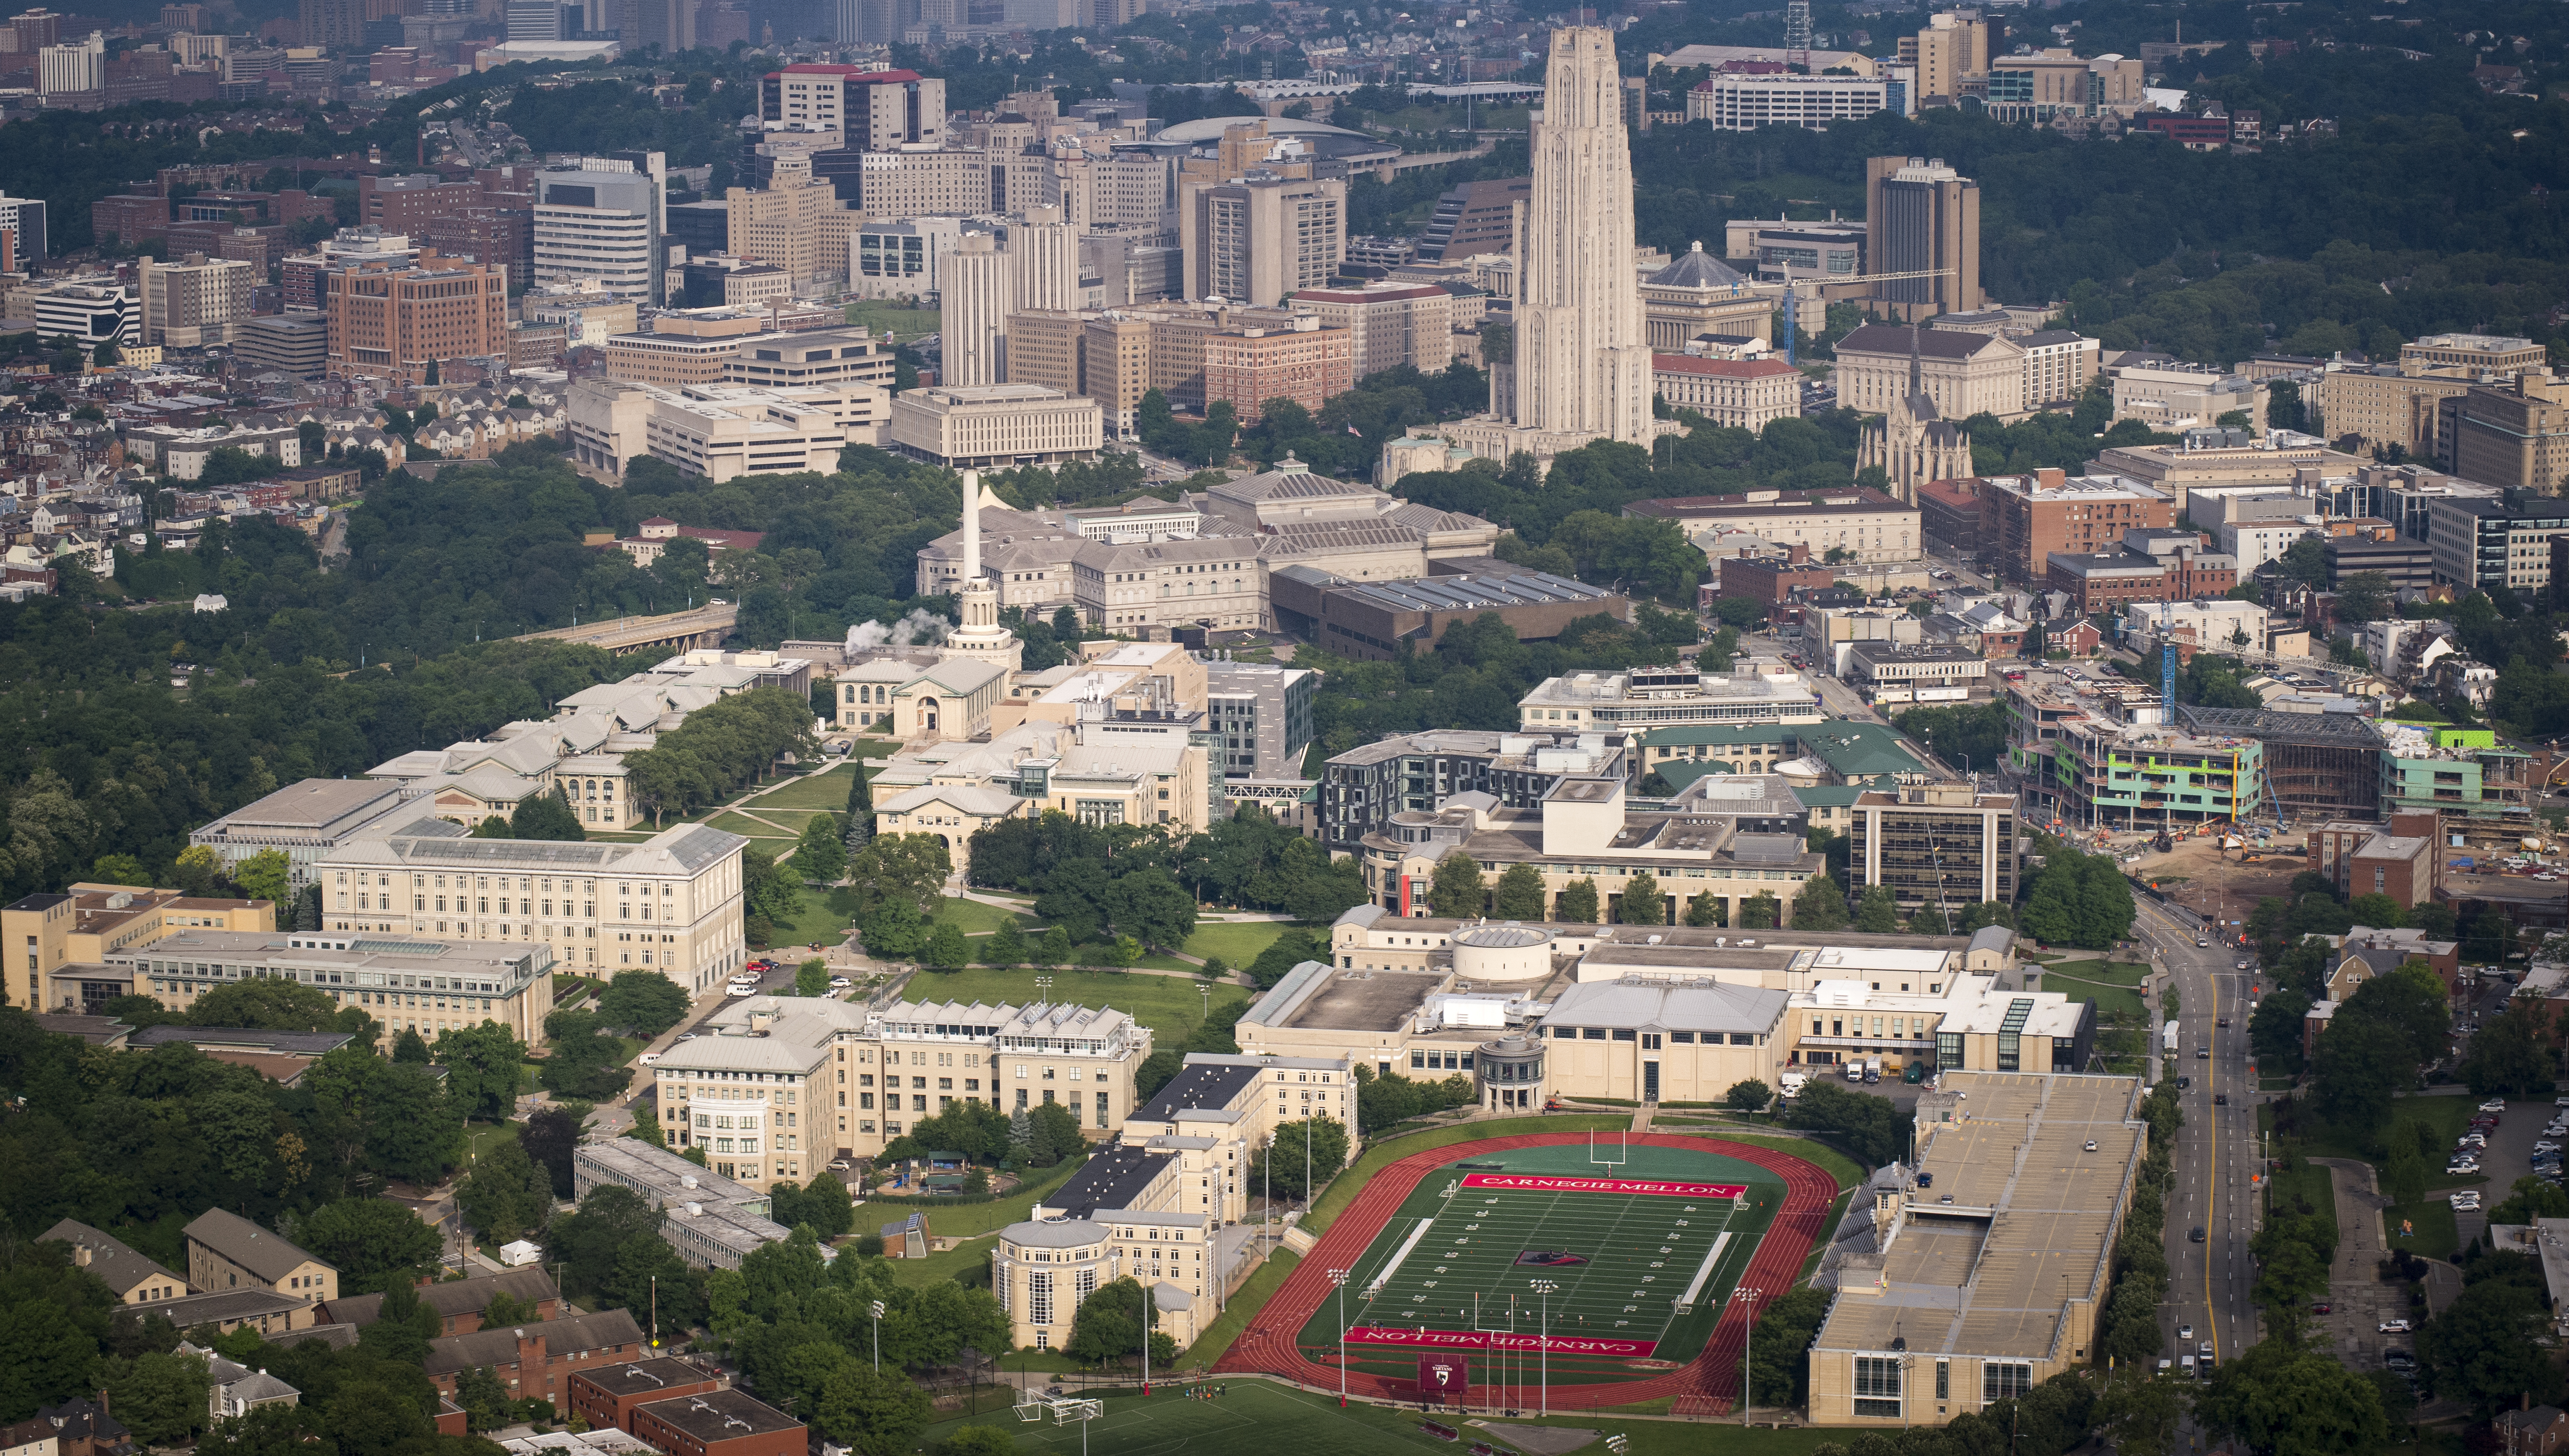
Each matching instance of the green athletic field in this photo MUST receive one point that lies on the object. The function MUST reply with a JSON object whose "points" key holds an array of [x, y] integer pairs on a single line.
{"points": [[1463, 1260]]}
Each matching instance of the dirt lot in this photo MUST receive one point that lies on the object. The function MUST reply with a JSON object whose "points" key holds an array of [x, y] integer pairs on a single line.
{"points": [[2218, 885]]}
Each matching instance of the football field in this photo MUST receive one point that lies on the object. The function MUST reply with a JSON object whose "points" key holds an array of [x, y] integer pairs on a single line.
{"points": [[1602, 1270]]}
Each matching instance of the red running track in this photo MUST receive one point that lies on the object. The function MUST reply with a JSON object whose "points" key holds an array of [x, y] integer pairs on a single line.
{"points": [[1710, 1382]]}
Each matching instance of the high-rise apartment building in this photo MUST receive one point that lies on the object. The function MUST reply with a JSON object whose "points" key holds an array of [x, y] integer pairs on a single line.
{"points": [[599, 225], [2511, 434], [1388, 324], [396, 322], [1922, 216], [668, 24], [76, 67], [334, 25], [1259, 236], [978, 296], [794, 222], [873, 110], [1954, 45], [35, 30], [1248, 365], [194, 301], [1045, 252]]}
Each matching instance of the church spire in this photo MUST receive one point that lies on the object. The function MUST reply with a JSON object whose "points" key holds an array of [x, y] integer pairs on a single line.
{"points": [[1914, 376]]}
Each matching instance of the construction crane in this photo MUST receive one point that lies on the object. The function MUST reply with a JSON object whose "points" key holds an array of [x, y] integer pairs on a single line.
{"points": [[1793, 293]]}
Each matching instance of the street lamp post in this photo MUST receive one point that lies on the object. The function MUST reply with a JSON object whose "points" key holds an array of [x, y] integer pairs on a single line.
{"points": [[1338, 1277], [1747, 1300], [1544, 1291], [876, 1310]]}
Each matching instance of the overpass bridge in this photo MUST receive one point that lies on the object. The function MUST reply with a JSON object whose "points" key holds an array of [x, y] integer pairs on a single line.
{"points": [[675, 631]]}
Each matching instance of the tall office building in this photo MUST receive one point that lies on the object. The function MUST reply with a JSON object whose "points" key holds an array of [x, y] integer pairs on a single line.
{"points": [[978, 297], [599, 224], [1921, 216], [74, 67], [1045, 249], [1583, 357], [668, 24], [194, 301], [396, 321], [1257, 237], [874, 111]]}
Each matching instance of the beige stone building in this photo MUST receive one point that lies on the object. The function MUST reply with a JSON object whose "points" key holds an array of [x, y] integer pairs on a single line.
{"points": [[695, 346], [1738, 394], [1388, 324], [2387, 406], [228, 1251], [2514, 434], [1869, 525], [87, 922], [1990, 1257], [1110, 766], [430, 988], [133, 1278], [795, 223], [785, 1083], [1737, 849], [1966, 374], [995, 425], [2487, 353], [2176, 396], [670, 903]]}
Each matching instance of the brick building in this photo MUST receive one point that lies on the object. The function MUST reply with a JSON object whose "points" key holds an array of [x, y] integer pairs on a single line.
{"points": [[396, 322], [2104, 581], [718, 1423], [1770, 579], [606, 1396], [1249, 366], [2025, 519], [1949, 511], [459, 1302], [2361, 859], [536, 1362]]}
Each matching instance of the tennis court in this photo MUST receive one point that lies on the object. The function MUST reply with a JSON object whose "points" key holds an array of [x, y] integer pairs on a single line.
{"points": [[1604, 1264]]}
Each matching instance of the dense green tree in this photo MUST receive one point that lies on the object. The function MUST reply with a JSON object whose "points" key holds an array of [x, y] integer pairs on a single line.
{"points": [[2484, 1350], [374, 1242], [1779, 1348], [483, 1066], [1704, 910], [1759, 911], [822, 853], [2509, 1056], [1579, 902], [506, 1196], [869, 1414], [1876, 911], [551, 1136], [161, 1398], [1458, 890], [1005, 945], [645, 1003], [268, 1003], [1751, 1095], [946, 949], [1519, 894], [2279, 1400], [1279, 1165], [1871, 1129], [1819, 905], [545, 817], [1642, 903], [812, 978]]}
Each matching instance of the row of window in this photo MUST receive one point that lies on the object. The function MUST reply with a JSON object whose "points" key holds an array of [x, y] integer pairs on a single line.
{"points": [[1650, 1039]]}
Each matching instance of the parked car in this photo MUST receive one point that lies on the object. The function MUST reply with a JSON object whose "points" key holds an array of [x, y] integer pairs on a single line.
{"points": [[2394, 1326], [2321, 1307], [2495, 1104], [839, 982]]}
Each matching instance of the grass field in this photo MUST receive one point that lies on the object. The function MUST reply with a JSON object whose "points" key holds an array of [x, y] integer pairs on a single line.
{"points": [[2109, 998], [881, 313], [1280, 1418], [2435, 1235], [1237, 941], [1468, 1256], [1383, 1152], [967, 1220], [1171, 1007], [824, 790], [977, 918]]}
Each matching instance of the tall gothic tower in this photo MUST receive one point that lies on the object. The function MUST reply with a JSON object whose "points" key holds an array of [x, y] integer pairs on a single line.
{"points": [[1582, 357]]}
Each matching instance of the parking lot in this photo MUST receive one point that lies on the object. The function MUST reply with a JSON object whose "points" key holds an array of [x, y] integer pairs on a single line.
{"points": [[2508, 1157]]}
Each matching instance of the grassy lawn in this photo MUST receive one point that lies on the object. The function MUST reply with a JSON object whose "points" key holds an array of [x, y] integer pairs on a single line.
{"points": [[768, 836], [966, 1220], [971, 1257], [812, 921], [2303, 1184], [824, 790], [2111, 999], [2435, 1236], [886, 313], [977, 918], [480, 1138], [2446, 1117], [1238, 943], [1168, 1007]]}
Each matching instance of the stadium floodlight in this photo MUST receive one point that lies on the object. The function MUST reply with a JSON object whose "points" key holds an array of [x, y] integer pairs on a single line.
{"points": [[1339, 1276], [1544, 1291], [1083, 1411], [1747, 1300], [1616, 1444], [876, 1310]]}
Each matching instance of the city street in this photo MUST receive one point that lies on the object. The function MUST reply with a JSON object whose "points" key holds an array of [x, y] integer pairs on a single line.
{"points": [[2216, 1153]]}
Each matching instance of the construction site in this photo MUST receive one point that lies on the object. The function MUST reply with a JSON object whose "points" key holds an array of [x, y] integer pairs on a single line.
{"points": [[2317, 765]]}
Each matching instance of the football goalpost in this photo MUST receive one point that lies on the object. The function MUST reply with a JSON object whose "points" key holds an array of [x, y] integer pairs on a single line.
{"points": [[1622, 1150]]}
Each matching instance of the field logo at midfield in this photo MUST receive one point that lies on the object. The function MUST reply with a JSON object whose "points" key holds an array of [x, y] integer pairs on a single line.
{"points": [[1541, 1183], [1550, 1257], [1490, 1340]]}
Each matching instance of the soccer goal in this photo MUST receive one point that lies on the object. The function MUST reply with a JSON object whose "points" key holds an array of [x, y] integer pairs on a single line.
{"points": [[1600, 1156]]}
